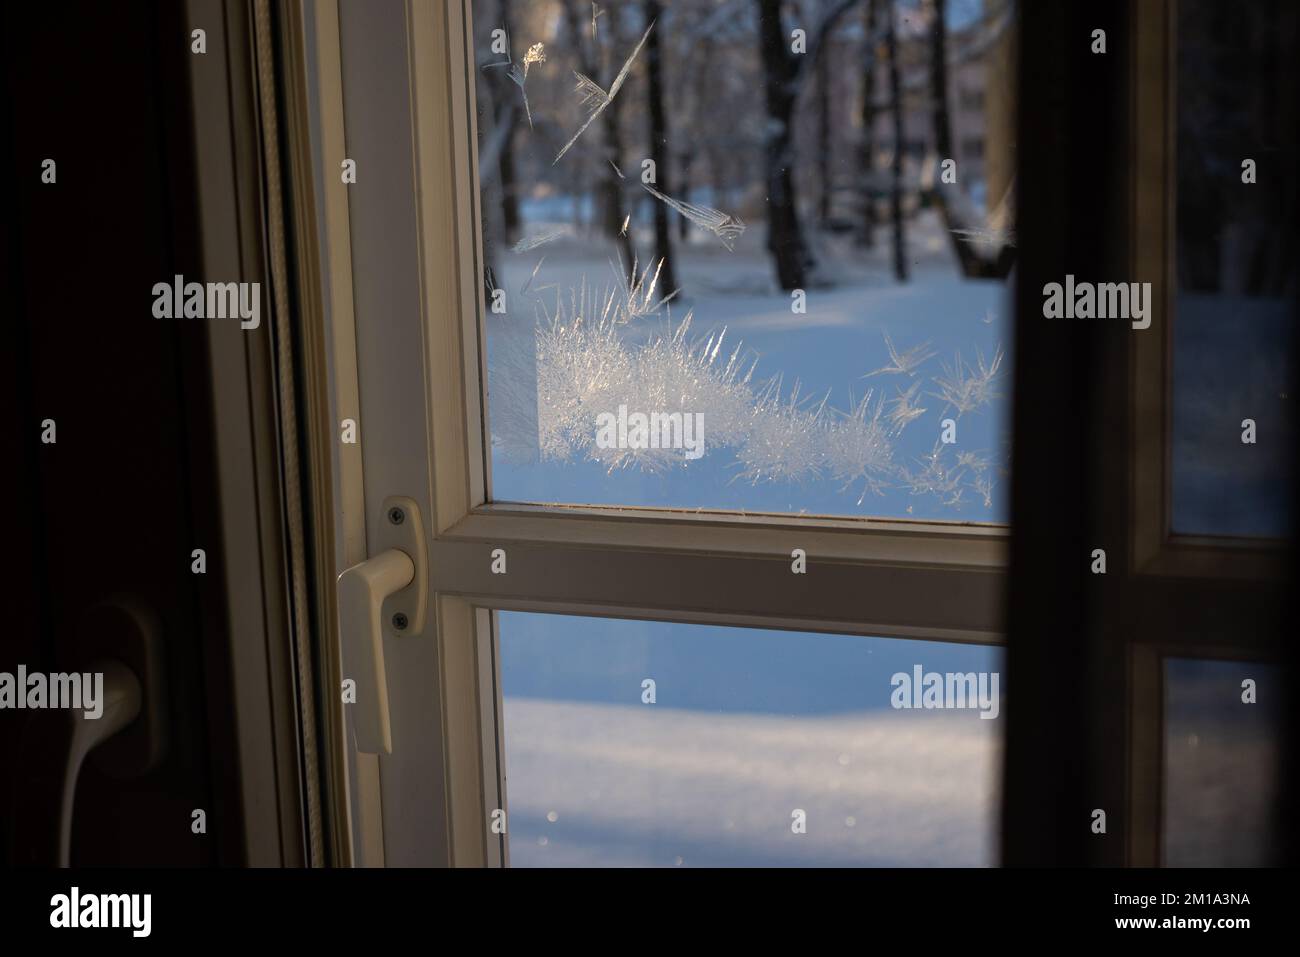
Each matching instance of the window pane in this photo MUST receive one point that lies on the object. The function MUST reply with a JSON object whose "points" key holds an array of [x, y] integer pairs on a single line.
{"points": [[1235, 312], [740, 729], [696, 294], [1221, 755]]}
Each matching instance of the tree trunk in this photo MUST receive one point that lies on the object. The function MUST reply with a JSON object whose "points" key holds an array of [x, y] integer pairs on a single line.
{"points": [[612, 190], [785, 239], [867, 157], [971, 262], [824, 165], [942, 125], [506, 163], [658, 146], [614, 209], [896, 193]]}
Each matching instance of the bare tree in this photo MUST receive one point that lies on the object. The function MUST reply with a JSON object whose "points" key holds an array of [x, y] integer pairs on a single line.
{"points": [[971, 262], [824, 137], [505, 118], [867, 157], [590, 60], [941, 119], [784, 72], [896, 96], [658, 144]]}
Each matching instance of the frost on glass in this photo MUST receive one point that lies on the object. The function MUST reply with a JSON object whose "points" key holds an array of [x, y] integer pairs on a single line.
{"points": [[724, 226], [697, 217], [595, 98]]}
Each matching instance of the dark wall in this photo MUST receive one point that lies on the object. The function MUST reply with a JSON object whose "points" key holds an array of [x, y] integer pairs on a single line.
{"points": [[112, 510]]}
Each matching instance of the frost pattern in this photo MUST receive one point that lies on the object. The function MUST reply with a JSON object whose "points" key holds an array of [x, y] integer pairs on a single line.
{"points": [[904, 363], [966, 387], [723, 225], [540, 239], [595, 98], [592, 352], [518, 73]]}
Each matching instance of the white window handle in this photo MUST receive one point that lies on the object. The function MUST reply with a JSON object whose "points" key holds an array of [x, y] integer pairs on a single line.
{"points": [[362, 591], [122, 699], [56, 746]]}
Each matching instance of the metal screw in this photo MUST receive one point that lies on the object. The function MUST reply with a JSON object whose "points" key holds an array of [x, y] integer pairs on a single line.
{"points": [[399, 621], [396, 515]]}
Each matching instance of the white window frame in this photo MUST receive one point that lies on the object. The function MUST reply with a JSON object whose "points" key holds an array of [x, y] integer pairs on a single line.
{"points": [[404, 358]]}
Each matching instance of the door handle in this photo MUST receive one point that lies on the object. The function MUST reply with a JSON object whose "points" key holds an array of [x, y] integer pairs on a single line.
{"points": [[122, 701], [122, 639], [384, 595], [55, 746]]}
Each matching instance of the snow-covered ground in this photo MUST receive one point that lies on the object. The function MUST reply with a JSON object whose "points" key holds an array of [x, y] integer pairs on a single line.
{"points": [[634, 785], [747, 726], [866, 453]]}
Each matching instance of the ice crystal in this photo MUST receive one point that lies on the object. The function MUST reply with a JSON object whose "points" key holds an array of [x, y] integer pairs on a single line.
{"points": [[785, 439], [903, 410], [518, 73], [595, 98], [934, 477], [992, 237], [540, 239], [536, 54], [967, 387], [905, 362], [973, 461], [723, 225], [527, 286], [860, 448], [637, 292], [593, 349]]}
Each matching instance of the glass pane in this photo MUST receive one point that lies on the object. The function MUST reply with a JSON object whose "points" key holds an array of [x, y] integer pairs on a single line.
{"points": [[1235, 311], [701, 292], [739, 730], [1221, 755]]}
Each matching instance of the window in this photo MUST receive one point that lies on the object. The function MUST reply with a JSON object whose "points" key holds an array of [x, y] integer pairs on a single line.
{"points": [[563, 568], [658, 744], [1214, 408], [1202, 746], [637, 553], [1222, 728], [1233, 419], [665, 327]]}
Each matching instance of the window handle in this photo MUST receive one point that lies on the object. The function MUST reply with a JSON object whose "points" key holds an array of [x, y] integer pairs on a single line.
{"points": [[384, 595], [363, 589], [121, 639]]}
